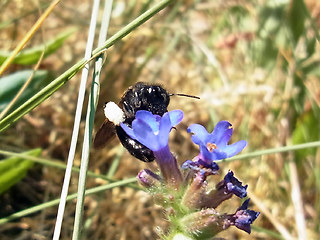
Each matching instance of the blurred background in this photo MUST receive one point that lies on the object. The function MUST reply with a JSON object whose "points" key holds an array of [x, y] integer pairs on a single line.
{"points": [[253, 63]]}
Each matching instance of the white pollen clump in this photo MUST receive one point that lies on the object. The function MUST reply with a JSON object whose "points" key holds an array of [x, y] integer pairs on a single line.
{"points": [[114, 113]]}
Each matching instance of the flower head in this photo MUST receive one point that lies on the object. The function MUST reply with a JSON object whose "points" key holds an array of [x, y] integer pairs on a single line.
{"points": [[214, 146], [191, 204], [152, 130]]}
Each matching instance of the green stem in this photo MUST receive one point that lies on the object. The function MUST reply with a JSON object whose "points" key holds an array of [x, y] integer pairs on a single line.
{"points": [[52, 163], [273, 151]]}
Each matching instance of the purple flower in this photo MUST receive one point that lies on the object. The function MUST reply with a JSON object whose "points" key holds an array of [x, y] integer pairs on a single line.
{"points": [[153, 132], [244, 217], [214, 146], [233, 185]]}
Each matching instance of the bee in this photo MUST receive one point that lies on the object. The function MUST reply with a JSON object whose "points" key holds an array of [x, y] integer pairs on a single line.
{"points": [[141, 96]]}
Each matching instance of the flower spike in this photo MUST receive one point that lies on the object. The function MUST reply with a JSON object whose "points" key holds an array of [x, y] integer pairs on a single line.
{"points": [[190, 201]]}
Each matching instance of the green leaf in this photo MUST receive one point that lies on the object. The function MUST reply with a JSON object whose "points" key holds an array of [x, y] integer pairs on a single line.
{"points": [[31, 55], [11, 84], [13, 169]]}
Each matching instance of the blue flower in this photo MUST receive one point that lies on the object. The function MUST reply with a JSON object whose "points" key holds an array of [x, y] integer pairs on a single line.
{"points": [[152, 130], [214, 146]]}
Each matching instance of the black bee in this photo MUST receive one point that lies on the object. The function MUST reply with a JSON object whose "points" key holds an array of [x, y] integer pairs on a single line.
{"points": [[140, 96]]}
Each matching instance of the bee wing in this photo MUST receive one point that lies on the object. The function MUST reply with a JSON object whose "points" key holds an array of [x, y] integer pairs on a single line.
{"points": [[105, 133]]}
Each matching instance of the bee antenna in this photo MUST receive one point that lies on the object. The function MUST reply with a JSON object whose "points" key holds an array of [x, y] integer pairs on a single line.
{"points": [[183, 95]]}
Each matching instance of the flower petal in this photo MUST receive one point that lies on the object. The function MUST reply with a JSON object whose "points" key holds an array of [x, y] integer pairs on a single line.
{"points": [[233, 185], [216, 154], [200, 134], [176, 117], [167, 122], [164, 130], [144, 134], [221, 133], [128, 130], [234, 148], [148, 118]]}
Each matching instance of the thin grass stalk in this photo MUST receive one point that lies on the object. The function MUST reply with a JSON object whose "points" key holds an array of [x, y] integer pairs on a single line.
{"points": [[53, 163], [90, 191], [92, 104], [272, 151], [75, 132]]}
